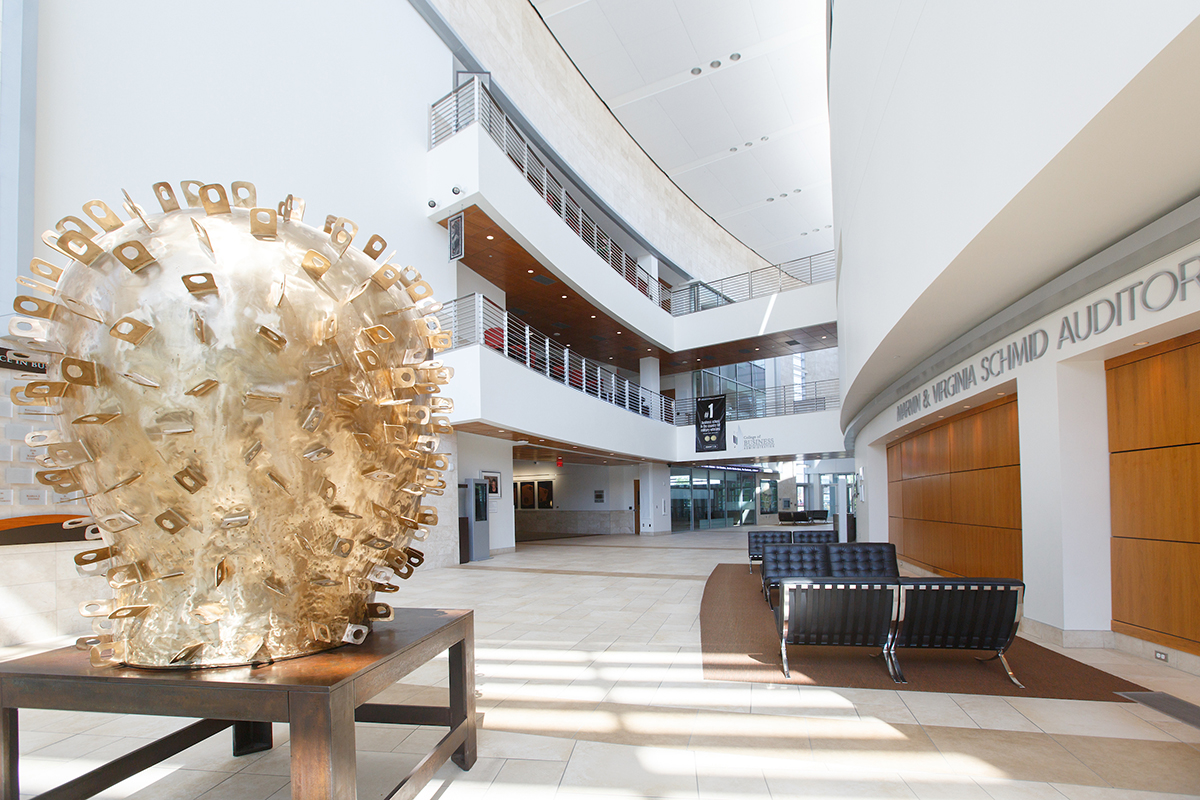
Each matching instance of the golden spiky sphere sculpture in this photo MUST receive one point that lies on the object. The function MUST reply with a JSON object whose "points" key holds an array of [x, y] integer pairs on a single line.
{"points": [[249, 407]]}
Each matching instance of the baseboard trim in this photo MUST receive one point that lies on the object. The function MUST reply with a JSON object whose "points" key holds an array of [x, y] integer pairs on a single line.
{"points": [[496, 551]]}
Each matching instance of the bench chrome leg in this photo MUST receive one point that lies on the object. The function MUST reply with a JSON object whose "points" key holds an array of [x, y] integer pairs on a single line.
{"points": [[1011, 675], [783, 652], [893, 665]]}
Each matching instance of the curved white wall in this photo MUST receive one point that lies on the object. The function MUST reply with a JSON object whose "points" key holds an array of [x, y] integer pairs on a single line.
{"points": [[523, 56], [943, 114]]}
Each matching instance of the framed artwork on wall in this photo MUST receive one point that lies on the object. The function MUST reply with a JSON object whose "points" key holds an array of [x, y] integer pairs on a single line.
{"points": [[493, 481], [516, 495], [545, 494], [528, 494]]}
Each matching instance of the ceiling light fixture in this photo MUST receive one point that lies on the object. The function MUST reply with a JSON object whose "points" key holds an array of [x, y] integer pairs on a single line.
{"points": [[529, 271], [749, 144], [770, 199], [733, 149], [783, 195], [490, 237], [795, 191], [593, 316], [564, 297], [765, 138], [714, 64], [1140, 344], [734, 56], [803, 233], [618, 333], [696, 70]]}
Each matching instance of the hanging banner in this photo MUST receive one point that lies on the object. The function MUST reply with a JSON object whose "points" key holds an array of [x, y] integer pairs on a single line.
{"points": [[457, 241], [710, 424]]}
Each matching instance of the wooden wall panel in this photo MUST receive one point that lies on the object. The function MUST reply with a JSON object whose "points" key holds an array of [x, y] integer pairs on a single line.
{"points": [[927, 453], [896, 499], [1154, 467], [990, 497], [954, 504], [986, 439], [1153, 493], [1151, 403], [927, 498], [896, 532], [1156, 585]]}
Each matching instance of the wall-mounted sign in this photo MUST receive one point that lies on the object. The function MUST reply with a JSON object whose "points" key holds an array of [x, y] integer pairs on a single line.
{"points": [[1076, 324], [457, 244], [710, 424]]}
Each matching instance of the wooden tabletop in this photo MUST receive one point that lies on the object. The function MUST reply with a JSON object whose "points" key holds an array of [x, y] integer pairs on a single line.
{"points": [[320, 672]]}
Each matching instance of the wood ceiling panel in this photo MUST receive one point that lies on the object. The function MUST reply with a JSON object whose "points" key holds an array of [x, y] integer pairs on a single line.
{"points": [[546, 304]]}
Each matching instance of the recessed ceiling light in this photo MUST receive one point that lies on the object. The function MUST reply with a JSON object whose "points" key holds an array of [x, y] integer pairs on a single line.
{"points": [[500, 429], [765, 138], [795, 191], [770, 199], [734, 56], [1140, 344], [803, 233], [564, 297], [733, 149], [828, 226], [649, 349], [816, 230], [696, 70], [749, 144], [490, 236], [593, 316], [824, 337], [783, 195], [756, 348], [966, 406], [941, 416], [1000, 393], [610, 358], [618, 333], [714, 64], [529, 271]]}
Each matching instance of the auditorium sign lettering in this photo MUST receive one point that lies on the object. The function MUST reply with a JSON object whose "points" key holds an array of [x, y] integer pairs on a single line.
{"points": [[1152, 295]]}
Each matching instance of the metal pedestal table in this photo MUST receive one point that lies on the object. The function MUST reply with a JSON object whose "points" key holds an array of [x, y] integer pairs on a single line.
{"points": [[319, 696]]}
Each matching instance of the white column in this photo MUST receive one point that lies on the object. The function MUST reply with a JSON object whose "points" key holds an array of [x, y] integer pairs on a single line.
{"points": [[649, 378], [1063, 417], [650, 264], [655, 489], [18, 131], [871, 521]]}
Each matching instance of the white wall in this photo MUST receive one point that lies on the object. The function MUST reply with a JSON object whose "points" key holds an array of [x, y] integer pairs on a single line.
{"points": [[476, 453], [976, 154], [471, 282]]}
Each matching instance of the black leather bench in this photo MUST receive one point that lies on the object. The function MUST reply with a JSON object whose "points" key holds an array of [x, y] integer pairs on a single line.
{"points": [[959, 613], [814, 537], [835, 560], [757, 539]]}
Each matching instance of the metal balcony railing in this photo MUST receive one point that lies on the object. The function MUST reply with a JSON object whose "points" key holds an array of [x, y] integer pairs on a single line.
{"points": [[476, 320], [799, 398], [703, 295], [471, 103]]}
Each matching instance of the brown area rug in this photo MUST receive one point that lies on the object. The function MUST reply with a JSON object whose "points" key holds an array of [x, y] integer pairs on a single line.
{"points": [[738, 642]]}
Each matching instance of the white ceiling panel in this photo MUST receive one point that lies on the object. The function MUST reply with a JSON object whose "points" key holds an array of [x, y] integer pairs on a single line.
{"points": [[655, 131], [752, 98], [610, 73], [700, 117], [583, 31], [659, 55], [719, 27], [641, 52], [636, 19], [708, 191]]}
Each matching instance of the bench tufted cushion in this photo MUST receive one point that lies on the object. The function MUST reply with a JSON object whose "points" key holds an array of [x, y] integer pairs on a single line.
{"points": [[863, 560], [962, 613], [814, 537], [759, 538]]}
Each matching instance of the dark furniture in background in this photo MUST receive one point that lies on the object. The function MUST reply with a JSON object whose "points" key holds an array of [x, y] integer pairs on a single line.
{"points": [[836, 560], [320, 696]]}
